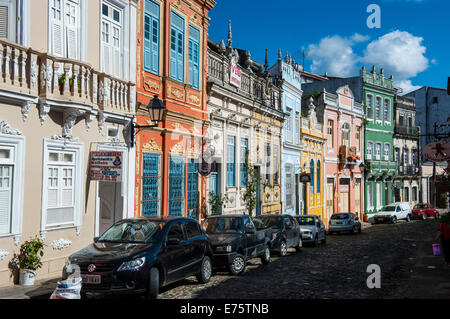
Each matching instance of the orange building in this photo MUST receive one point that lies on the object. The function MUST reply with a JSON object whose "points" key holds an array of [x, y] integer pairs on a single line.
{"points": [[171, 63]]}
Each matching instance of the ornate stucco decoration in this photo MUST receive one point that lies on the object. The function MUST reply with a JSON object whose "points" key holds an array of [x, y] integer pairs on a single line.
{"points": [[312, 110], [194, 152], [44, 109], [60, 244], [196, 131], [152, 147], [89, 118], [152, 85], [171, 91], [178, 149], [69, 118], [6, 129], [178, 127], [26, 109], [3, 254], [194, 99], [101, 120]]}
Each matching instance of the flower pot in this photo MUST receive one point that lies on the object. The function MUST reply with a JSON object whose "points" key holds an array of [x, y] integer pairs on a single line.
{"points": [[366, 218], [27, 277]]}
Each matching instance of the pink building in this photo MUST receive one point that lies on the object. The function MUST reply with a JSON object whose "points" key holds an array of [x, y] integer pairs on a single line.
{"points": [[344, 174]]}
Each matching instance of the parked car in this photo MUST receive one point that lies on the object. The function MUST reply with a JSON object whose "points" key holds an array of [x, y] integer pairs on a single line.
{"points": [[312, 229], [423, 211], [140, 255], [235, 240], [344, 222], [283, 231], [393, 213]]}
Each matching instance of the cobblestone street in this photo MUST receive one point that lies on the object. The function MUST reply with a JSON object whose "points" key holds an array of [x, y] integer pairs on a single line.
{"points": [[338, 269]]}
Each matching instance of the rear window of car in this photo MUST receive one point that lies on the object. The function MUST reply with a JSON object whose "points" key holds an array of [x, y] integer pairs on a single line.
{"points": [[340, 216], [420, 206], [388, 209], [306, 221]]}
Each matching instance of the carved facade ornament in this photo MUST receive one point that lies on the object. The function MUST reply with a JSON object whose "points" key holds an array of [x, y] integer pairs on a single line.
{"points": [[171, 91], [194, 99], [6, 129], [33, 73], [44, 109], [3, 254], [152, 147], [43, 75], [195, 152], [178, 127], [89, 118], [26, 109], [152, 85], [101, 120], [69, 118], [178, 149], [196, 131], [60, 244]]}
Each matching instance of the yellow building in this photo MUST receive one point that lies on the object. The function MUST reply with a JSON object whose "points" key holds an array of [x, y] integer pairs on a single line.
{"points": [[312, 162]]}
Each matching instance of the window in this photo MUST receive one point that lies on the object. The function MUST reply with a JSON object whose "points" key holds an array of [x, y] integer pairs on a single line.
{"points": [[401, 119], [312, 175], [62, 185], [176, 186], [268, 155], [151, 181], [387, 110], [378, 107], [397, 156], [405, 156], [289, 186], [6, 189], [369, 195], [193, 191], [318, 176], [414, 194], [358, 138], [346, 135], [409, 123], [297, 127], [379, 196], [289, 126], [369, 109], [244, 150], [64, 28], [194, 52], [414, 160], [231, 161], [192, 230], [111, 40], [151, 36], [177, 47], [7, 18], [330, 130], [369, 150], [176, 232], [387, 152], [276, 165], [406, 194], [378, 151]]}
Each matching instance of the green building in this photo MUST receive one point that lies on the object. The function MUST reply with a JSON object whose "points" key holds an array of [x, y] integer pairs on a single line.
{"points": [[376, 92]]}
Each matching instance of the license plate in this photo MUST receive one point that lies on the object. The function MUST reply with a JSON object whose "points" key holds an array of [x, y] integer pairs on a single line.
{"points": [[339, 223], [91, 279]]}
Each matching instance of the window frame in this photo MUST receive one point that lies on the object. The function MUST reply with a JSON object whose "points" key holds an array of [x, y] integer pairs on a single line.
{"points": [[195, 64], [178, 32], [152, 18]]}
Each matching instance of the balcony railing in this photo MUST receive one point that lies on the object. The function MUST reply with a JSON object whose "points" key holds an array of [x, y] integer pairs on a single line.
{"points": [[382, 166], [33, 73], [408, 170], [407, 130]]}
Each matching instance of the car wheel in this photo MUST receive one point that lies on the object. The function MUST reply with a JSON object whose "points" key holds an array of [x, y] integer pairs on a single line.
{"points": [[394, 220], [360, 229], [237, 265], [206, 271], [353, 230], [436, 216], [408, 219], [153, 284], [283, 249], [265, 259], [316, 241], [424, 216], [299, 246], [324, 241]]}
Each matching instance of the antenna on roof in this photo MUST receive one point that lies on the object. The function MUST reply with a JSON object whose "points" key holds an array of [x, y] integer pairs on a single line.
{"points": [[303, 55]]}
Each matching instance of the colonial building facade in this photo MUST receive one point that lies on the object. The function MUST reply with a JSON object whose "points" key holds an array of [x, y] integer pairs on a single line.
{"points": [[407, 183], [246, 116], [171, 63], [290, 75], [312, 160], [344, 151], [60, 101]]}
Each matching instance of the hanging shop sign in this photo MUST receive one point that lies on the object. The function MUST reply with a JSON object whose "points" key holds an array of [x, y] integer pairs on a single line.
{"points": [[106, 166], [235, 76], [437, 152]]}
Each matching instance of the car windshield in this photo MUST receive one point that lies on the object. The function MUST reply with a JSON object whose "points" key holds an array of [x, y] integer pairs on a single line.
{"points": [[419, 206], [388, 209], [132, 231], [223, 224], [268, 222], [306, 221], [340, 216]]}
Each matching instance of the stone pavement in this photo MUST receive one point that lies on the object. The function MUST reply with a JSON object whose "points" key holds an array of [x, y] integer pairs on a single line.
{"points": [[42, 289]]}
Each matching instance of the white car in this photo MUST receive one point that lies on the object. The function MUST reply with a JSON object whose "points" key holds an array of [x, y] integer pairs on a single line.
{"points": [[393, 213]]}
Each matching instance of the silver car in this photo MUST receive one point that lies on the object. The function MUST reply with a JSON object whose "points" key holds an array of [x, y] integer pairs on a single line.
{"points": [[344, 222], [312, 229]]}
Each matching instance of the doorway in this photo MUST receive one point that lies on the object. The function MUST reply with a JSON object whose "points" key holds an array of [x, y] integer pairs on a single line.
{"points": [[258, 191], [111, 204]]}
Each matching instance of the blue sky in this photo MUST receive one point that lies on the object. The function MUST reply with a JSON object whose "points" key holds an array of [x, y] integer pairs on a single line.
{"points": [[413, 42]]}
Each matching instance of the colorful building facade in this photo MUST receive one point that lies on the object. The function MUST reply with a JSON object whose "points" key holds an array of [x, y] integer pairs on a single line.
{"points": [[312, 160], [171, 63]]}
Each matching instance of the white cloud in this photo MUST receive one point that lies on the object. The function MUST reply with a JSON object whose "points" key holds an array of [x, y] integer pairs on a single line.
{"points": [[407, 86], [399, 53]]}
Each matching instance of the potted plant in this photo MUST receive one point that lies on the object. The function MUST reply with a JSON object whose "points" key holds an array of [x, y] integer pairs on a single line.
{"points": [[29, 260]]}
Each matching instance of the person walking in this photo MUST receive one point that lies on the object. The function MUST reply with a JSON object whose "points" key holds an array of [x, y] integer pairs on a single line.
{"points": [[444, 235]]}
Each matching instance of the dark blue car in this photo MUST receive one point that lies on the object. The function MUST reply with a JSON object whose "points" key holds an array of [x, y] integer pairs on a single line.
{"points": [[140, 255]]}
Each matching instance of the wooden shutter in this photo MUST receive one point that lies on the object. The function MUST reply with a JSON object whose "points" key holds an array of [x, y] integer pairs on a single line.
{"points": [[150, 185], [194, 52], [4, 20], [5, 198], [106, 47], [177, 48], [72, 17], [116, 52], [151, 37], [57, 28]]}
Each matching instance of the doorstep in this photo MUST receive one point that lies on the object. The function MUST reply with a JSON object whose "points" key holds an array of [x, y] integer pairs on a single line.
{"points": [[42, 289]]}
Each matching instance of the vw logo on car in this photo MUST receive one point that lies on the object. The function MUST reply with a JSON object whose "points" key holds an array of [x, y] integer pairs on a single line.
{"points": [[91, 268]]}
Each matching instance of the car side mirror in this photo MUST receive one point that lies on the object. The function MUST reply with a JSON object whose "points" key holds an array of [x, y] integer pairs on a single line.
{"points": [[173, 241]]}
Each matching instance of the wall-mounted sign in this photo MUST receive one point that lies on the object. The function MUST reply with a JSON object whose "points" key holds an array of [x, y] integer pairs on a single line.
{"points": [[235, 76], [437, 152], [305, 178], [106, 166]]}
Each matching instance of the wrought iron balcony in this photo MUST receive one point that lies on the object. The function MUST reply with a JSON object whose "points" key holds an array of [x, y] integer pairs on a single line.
{"points": [[407, 130], [408, 170]]}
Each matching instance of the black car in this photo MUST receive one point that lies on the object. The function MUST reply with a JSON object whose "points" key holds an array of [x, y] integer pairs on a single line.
{"points": [[140, 255], [283, 231], [235, 240]]}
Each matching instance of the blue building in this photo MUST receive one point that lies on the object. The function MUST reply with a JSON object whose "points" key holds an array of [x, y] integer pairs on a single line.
{"points": [[289, 74]]}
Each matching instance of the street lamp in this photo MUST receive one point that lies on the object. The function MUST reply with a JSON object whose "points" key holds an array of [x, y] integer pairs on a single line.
{"points": [[156, 111]]}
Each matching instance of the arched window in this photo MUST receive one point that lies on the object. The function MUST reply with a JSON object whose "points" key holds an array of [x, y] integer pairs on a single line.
{"points": [[346, 134], [312, 175], [318, 177]]}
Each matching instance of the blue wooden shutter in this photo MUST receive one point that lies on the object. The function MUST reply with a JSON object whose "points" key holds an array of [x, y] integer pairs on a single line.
{"points": [[193, 192], [194, 51], [177, 48], [231, 158], [151, 37], [176, 186], [151, 180], [244, 149], [312, 175], [318, 176]]}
